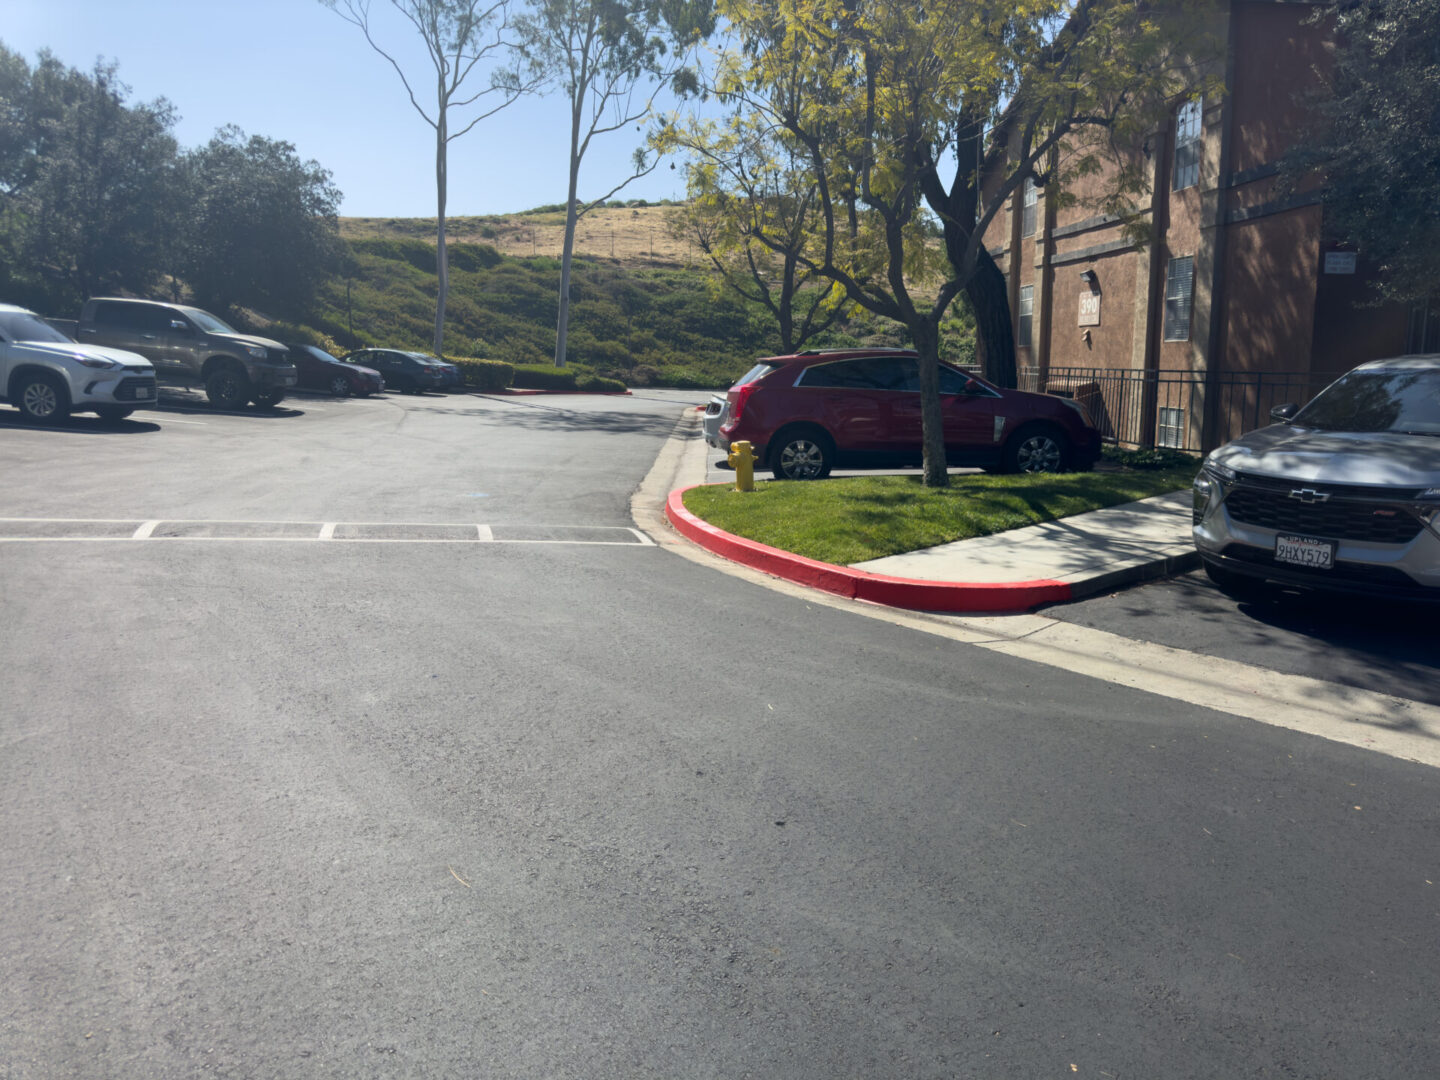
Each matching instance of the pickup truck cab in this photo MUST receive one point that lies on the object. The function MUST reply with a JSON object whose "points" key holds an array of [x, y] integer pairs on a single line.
{"points": [[47, 376], [191, 347]]}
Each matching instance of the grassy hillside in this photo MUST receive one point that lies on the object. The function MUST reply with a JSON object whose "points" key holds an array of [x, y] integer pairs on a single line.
{"points": [[648, 321]]}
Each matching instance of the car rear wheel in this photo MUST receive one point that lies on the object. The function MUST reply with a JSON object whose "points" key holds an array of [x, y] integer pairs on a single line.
{"points": [[801, 454], [41, 398], [1037, 450], [340, 386], [227, 387]]}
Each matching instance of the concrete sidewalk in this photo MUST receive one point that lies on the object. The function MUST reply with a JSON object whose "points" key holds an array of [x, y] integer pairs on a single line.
{"points": [[1012, 571]]}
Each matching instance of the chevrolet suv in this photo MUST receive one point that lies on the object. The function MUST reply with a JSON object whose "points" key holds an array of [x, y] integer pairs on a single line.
{"points": [[46, 375], [1342, 495], [191, 347], [806, 413]]}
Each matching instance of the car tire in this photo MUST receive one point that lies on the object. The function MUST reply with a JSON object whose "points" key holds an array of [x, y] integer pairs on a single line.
{"points": [[1037, 449], [340, 386], [227, 387], [1236, 586], [41, 398], [113, 413], [802, 453], [267, 399]]}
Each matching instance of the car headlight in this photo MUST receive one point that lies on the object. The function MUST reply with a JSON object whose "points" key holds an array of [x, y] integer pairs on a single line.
{"points": [[1223, 473], [99, 364], [257, 351]]}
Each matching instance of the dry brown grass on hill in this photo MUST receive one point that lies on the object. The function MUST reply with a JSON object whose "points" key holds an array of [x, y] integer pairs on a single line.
{"points": [[632, 236]]}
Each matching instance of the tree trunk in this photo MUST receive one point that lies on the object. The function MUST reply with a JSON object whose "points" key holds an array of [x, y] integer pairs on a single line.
{"points": [[562, 323], [994, 335], [932, 421], [442, 256]]}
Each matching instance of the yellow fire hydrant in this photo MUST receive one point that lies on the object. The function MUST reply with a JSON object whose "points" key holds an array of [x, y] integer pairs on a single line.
{"points": [[742, 460]]}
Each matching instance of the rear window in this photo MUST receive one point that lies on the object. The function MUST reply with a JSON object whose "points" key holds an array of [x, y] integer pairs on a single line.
{"points": [[759, 371]]}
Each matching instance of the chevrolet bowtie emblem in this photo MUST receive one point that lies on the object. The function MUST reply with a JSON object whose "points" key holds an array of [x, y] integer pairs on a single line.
{"points": [[1310, 495]]}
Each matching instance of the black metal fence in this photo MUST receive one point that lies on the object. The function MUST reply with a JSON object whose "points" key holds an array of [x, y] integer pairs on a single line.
{"points": [[1185, 410]]}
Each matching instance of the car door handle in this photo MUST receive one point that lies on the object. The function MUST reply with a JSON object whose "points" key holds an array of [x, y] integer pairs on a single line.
{"points": [[148, 337]]}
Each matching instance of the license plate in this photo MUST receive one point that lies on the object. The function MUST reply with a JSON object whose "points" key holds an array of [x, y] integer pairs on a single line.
{"points": [[1305, 551], [142, 391]]}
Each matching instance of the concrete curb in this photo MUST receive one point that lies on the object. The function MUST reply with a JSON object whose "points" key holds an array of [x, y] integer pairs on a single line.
{"points": [[860, 584]]}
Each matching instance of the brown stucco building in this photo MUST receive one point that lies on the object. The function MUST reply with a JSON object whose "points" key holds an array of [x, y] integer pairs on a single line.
{"points": [[1237, 302]]}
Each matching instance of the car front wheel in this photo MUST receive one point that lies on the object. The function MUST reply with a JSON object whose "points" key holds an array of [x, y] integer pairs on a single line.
{"points": [[41, 398], [268, 399], [340, 386], [802, 455], [227, 387], [1036, 450]]}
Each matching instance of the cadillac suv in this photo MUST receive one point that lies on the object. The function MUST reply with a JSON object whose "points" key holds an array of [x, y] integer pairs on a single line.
{"points": [[806, 413]]}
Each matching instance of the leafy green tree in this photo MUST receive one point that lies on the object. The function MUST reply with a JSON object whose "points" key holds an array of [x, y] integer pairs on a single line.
{"points": [[604, 55], [904, 112], [751, 209], [87, 183], [261, 224], [1376, 141], [459, 36]]}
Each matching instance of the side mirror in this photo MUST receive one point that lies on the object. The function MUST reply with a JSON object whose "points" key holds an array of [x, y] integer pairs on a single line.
{"points": [[1284, 413], [180, 326]]}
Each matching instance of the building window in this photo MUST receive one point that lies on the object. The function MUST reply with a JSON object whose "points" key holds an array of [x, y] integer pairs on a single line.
{"points": [[1179, 288], [1187, 146], [1027, 311], [1171, 429], [1028, 202]]}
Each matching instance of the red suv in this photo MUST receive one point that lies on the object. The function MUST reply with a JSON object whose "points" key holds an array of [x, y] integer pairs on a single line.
{"points": [[807, 413]]}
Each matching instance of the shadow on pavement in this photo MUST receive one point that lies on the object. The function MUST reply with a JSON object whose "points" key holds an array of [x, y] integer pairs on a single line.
{"points": [[80, 424]]}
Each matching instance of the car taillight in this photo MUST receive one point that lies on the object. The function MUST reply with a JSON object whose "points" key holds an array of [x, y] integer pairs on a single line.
{"points": [[738, 397]]}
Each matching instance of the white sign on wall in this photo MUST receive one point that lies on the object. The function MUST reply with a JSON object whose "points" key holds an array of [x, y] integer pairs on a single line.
{"points": [[1089, 309], [1339, 262]]}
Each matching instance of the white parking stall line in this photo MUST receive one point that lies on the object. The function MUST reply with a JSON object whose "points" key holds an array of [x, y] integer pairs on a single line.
{"points": [[327, 531], [144, 531], [96, 530], [644, 540], [169, 419], [485, 534]]}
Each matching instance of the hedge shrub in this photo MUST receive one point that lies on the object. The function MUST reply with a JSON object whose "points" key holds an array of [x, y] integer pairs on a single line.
{"points": [[598, 384], [485, 375], [543, 377]]}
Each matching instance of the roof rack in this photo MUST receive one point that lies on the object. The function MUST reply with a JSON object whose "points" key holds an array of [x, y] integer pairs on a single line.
{"points": [[855, 349]]}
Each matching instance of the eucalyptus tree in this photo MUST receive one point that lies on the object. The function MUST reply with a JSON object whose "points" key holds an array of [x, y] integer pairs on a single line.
{"points": [[462, 38], [610, 58], [906, 113]]}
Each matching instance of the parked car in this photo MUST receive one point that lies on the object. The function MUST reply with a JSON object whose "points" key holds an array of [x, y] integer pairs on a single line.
{"points": [[46, 375], [449, 373], [318, 370], [806, 413], [717, 411], [403, 371], [191, 347], [1343, 494]]}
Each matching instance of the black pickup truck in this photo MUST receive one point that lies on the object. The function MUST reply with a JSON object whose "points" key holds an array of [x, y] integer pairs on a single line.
{"points": [[191, 347]]}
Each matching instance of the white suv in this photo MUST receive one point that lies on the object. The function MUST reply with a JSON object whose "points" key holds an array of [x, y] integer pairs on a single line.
{"points": [[47, 376]]}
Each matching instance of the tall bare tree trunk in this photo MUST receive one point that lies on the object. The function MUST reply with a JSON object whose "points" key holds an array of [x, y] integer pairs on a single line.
{"points": [[926, 336], [442, 256], [562, 323]]}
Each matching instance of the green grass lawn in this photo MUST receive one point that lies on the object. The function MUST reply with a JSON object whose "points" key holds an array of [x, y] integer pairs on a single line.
{"points": [[850, 519]]}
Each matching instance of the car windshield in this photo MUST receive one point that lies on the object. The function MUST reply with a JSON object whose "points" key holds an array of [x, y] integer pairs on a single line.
{"points": [[209, 323], [24, 326], [319, 353], [1398, 400]]}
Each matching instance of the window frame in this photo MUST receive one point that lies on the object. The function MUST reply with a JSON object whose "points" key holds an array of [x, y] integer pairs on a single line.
{"points": [[1029, 207], [1189, 135], [1176, 304], [1025, 317]]}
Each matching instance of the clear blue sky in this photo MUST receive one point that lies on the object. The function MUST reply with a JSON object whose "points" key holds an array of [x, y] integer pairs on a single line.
{"points": [[293, 70]]}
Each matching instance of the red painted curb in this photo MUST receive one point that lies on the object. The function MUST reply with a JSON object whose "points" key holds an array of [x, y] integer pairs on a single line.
{"points": [[859, 584]]}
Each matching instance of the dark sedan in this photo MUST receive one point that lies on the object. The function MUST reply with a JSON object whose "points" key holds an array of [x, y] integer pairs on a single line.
{"points": [[321, 371], [403, 371]]}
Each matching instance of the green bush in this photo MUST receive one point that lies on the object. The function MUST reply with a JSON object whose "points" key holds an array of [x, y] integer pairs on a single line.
{"points": [[541, 377], [485, 375], [1157, 458], [598, 384]]}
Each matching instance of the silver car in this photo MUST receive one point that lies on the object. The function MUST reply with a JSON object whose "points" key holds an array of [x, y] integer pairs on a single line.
{"points": [[1343, 494], [717, 411]]}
